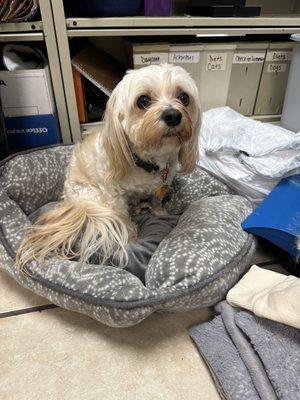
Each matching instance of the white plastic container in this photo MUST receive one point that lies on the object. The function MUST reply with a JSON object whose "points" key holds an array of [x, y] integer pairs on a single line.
{"points": [[215, 71], [145, 54], [188, 56], [291, 107], [248, 61], [274, 78]]}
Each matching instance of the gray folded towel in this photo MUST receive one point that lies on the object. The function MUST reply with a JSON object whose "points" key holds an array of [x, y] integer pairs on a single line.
{"points": [[250, 357]]}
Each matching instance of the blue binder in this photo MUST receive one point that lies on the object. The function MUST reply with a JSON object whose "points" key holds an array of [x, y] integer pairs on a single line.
{"points": [[277, 218]]}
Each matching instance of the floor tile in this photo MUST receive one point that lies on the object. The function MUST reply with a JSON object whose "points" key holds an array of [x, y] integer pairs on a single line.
{"points": [[57, 354], [15, 297]]}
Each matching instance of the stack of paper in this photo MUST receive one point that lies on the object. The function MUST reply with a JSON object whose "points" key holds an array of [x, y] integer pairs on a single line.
{"points": [[17, 10]]}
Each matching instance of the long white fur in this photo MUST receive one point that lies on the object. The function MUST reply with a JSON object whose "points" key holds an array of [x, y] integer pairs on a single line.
{"points": [[102, 179]]}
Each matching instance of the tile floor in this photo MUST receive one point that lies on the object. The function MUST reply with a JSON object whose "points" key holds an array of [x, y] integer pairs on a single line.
{"points": [[56, 354], [60, 355]]}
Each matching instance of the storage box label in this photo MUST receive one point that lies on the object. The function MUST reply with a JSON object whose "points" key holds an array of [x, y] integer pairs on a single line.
{"points": [[32, 131], [248, 58], [276, 68], [184, 58], [279, 55], [216, 61], [150, 58]]}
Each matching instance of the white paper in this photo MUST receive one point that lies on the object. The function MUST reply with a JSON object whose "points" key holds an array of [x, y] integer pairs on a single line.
{"points": [[216, 61], [150, 58], [184, 57], [248, 58], [279, 55], [276, 68]]}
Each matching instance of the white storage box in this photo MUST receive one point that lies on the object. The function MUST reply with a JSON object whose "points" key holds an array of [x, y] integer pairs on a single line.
{"points": [[247, 65], [215, 71], [148, 54], [274, 79], [187, 56]]}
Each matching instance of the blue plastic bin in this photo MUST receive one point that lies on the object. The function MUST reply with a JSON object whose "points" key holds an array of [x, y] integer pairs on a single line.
{"points": [[277, 218]]}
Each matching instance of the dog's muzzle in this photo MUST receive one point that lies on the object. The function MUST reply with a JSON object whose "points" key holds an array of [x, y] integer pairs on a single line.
{"points": [[171, 116]]}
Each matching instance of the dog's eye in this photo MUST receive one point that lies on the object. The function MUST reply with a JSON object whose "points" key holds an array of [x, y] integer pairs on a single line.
{"points": [[143, 102], [184, 98]]}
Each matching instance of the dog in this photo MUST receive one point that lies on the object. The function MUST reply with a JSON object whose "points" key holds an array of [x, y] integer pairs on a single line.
{"points": [[149, 134]]}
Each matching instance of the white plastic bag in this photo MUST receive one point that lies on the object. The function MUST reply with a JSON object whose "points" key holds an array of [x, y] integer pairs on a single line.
{"points": [[250, 156]]}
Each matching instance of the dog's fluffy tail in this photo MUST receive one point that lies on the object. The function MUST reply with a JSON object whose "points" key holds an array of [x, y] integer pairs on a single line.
{"points": [[76, 230]]}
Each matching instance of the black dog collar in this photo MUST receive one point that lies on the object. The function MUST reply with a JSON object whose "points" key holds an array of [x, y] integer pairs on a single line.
{"points": [[146, 165]]}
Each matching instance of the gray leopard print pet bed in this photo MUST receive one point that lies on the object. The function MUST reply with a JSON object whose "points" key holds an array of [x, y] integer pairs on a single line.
{"points": [[195, 264]]}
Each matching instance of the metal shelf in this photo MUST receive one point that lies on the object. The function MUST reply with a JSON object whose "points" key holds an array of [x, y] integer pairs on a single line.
{"points": [[184, 22], [21, 27], [201, 26], [21, 37], [21, 31], [200, 32]]}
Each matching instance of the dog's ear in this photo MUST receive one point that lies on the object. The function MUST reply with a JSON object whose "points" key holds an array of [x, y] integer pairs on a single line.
{"points": [[115, 140], [188, 157], [188, 153]]}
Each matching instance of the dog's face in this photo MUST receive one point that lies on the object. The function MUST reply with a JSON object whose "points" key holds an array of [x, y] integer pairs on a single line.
{"points": [[162, 106], [153, 107]]}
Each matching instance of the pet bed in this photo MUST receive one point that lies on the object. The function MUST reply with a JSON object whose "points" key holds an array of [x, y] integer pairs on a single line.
{"points": [[195, 264]]}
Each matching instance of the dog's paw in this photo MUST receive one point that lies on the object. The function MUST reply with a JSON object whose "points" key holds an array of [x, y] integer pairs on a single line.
{"points": [[144, 207]]}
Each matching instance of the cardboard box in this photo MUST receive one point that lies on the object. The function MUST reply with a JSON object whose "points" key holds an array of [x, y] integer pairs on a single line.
{"points": [[29, 108]]}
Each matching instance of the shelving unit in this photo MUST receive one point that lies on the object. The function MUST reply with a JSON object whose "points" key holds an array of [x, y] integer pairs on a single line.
{"points": [[21, 27], [23, 31], [56, 31], [159, 26], [43, 31], [185, 25]]}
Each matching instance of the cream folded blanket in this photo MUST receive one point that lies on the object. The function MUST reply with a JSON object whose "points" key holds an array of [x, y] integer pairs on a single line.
{"points": [[268, 294]]}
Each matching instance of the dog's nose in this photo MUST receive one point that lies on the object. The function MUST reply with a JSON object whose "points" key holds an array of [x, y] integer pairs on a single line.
{"points": [[171, 116]]}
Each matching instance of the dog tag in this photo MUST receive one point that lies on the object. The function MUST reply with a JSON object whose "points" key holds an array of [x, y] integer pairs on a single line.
{"points": [[166, 198], [163, 194]]}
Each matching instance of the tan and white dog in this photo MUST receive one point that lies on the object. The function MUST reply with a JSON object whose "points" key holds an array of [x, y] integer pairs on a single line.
{"points": [[149, 133]]}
